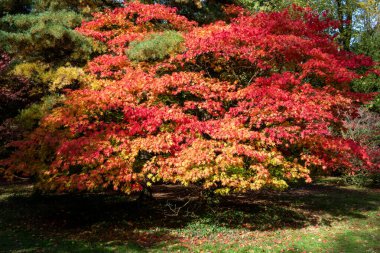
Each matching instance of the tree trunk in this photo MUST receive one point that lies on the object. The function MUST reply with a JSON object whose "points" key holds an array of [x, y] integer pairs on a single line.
{"points": [[344, 12]]}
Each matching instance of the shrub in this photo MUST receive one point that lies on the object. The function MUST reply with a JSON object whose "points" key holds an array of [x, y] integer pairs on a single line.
{"points": [[255, 103], [362, 179], [374, 105], [155, 47], [45, 36], [364, 129], [27, 120], [29, 117], [82, 6], [14, 91], [47, 78], [369, 83]]}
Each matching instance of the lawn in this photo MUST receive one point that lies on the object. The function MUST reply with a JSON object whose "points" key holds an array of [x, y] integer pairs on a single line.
{"points": [[322, 217]]}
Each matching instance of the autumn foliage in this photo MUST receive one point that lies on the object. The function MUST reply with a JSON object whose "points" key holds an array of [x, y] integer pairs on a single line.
{"points": [[258, 101]]}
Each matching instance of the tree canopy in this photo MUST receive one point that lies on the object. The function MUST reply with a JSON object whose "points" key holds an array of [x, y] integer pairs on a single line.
{"points": [[254, 101]]}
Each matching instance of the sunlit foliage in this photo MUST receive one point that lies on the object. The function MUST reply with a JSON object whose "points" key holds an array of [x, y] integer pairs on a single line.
{"points": [[257, 102]]}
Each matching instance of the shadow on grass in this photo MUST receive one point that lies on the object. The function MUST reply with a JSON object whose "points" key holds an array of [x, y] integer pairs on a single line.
{"points": [[348, 242], [359, 241], [109, 222]]}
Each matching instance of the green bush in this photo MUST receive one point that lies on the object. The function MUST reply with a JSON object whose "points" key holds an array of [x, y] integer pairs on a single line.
{"points": [[155, 47], [363, 179], [368, 44], [29, 118], [375, 104], [82, 6], [370, 83], [47, 36]]}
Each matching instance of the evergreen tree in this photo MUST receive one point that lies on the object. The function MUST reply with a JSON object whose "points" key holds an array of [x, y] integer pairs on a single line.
{"points": [[40, 38]]}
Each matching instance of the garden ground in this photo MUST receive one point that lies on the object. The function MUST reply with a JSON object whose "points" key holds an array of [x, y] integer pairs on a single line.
{"points": [[322, 217]]}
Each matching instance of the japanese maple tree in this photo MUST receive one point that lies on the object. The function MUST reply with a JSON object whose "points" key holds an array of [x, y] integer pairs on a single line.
{"points": [[258, 101]]}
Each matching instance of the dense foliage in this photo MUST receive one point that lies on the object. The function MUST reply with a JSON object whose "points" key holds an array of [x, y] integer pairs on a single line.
{"points": [[256, 101], [45, 36], [46, 52], [14, 91]]}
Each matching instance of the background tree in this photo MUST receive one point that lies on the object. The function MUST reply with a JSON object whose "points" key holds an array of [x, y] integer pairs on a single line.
{"points": [[45, 49], [84, 6], [43, 55], [368, 39]]}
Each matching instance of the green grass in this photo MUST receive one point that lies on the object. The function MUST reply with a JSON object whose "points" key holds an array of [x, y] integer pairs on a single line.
{"points": [[316, 218]]}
